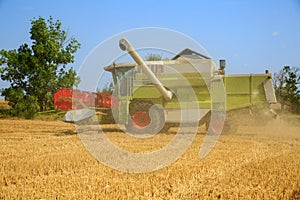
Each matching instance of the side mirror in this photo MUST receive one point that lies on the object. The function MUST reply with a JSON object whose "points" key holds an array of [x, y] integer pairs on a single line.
{"points": [[222, 67], [222, 64]]}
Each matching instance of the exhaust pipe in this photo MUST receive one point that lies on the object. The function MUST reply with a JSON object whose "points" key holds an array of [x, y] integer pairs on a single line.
{"points": [[126, 46]]}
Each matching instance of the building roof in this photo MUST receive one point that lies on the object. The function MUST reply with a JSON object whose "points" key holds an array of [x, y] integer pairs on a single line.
{"points": [[188, 53]]}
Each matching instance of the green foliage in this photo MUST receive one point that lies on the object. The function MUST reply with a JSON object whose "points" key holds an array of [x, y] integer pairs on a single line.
{"points": [[36, 72], [27, 107], [287, 84], [24, 105], [153, 57], [108, 89]]}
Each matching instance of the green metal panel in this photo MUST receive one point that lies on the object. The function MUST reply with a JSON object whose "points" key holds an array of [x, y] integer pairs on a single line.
{"points": [[237, 91], [123, 109], [245, 90], [146, 92], [241, 90]]}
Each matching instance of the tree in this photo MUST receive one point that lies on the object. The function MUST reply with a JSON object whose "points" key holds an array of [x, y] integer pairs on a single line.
{"points": [[108, 89], [287, 84], [36, 72], [153, 57]]}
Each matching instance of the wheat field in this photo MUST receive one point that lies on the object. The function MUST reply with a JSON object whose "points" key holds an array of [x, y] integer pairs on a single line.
{"points": [[47, 160]]}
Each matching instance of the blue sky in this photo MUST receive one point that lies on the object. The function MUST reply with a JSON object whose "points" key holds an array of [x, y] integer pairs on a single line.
{"points": [[251, 35]]}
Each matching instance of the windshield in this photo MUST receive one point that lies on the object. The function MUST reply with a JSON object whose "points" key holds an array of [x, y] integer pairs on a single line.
{"points": [[124, 80]]}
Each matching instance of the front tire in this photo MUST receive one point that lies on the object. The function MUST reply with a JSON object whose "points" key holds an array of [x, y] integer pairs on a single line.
{"points": [[145, 118]]}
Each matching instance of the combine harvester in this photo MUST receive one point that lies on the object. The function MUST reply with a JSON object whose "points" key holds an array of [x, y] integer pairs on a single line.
{"points": [[151, 96]]}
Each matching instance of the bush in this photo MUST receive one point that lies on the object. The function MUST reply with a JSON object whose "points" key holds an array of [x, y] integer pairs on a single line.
{"points": [[26, 107], [287, 88], [23, 105]]}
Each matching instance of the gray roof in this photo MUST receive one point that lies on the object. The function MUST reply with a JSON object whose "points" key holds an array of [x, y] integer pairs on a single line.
{"points": [[188, 53]]}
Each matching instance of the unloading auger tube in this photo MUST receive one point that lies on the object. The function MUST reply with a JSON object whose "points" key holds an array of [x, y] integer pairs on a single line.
{"points": [[126, 46]]}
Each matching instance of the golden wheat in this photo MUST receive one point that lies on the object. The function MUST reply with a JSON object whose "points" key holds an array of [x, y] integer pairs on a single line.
{"points": [[46, 160]]}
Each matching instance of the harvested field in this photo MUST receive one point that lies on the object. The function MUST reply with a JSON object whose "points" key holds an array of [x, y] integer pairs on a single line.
{"points": [[46, 160]]}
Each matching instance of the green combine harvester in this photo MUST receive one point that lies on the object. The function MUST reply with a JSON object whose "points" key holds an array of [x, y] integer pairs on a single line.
{"points": [[152, 96]]}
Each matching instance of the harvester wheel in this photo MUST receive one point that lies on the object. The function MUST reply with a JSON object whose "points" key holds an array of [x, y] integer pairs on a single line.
{"points": [[229, 127], [145, 118]]}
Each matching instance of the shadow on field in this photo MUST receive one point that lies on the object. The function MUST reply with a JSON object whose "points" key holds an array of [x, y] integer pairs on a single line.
{"points": [[66, 133], [111, 130]]}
